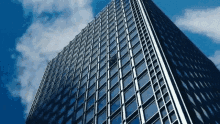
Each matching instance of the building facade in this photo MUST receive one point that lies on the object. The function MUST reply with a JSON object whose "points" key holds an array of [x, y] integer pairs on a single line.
{"points": [[130, 65]]}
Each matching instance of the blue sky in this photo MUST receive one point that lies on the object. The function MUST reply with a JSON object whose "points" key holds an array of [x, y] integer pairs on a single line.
{"points": [[31, 31]]}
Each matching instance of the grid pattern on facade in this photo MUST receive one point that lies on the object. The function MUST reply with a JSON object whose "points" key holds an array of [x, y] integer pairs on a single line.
{"points": [[110, 73], [194, 73]]}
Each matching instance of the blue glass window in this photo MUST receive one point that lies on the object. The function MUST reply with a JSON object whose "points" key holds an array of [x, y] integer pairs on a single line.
{"points": [[135, 121], [91, 91], [91, 101], [102, 81], [127, 80], [89, 115], [114, 80], [114, 92], [102, 117], [124, 60], [131, 108], [101, 104], [102, 91], [126, 69], [140, 68], [115, 105], [79, 113], [116, 120], [143, 80], [130, 92], [113, 70], [150, 110], [80, 101]]}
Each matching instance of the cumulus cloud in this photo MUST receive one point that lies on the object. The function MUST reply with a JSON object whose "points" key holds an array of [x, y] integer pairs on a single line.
{"points": [[55, 24], [205, 22], [216, 59]]}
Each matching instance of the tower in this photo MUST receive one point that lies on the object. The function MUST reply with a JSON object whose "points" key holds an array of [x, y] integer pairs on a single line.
{"points": [[132, 65]]}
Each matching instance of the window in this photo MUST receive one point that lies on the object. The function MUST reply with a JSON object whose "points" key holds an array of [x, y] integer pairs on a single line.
{"points": [[102, 81], [140, 68], [101, 104], [191, 99], [145, 95], [138, 58], [124, 60], [89, 115], [143, 80], [79, 113], [131, 108], [113, 70], [122, 43], [102, 71], [91, 91], [92, 81], [117, 119], [134, 40], [91, 101], [82, 90], [101, 117], [131, 27], [114, 91], [114, 80], [80, 101], [123, 51], [102, 92], [135, 121], [198, 115], [115, 105], [136, 48], [130, 92], [169, 107], [150, 110], [72, 100], [127, 80], [126, 69]]}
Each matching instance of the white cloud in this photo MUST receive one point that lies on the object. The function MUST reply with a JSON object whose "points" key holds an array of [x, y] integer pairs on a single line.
{"points": [[206, 22], [216, 59], [44, 39]]}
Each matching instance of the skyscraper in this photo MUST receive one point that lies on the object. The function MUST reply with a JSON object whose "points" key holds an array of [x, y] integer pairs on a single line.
{"points": [[132, 65]]}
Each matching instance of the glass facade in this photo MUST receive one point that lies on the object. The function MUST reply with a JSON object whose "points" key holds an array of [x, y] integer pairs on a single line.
{"points": [[112, 72]]}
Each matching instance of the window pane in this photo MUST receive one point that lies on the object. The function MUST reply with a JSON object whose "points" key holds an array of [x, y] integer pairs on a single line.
{"points": [[127, 80], [114, 92], [91, 91], [123, 51], [138, 58], [102, 91], [79, 113], [131, 108], [114, 80], [124, 60], [101, 104], [113, 70], [102, 81], [80, 101], [134, 40], [136, 48], [130, 92], [116, 120], [102, 117], [126, 69], [115, 105], [150, 111], [143, 80], [135, 121], [91, 101], [89, 115], [141, 67], [92, 81]]}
